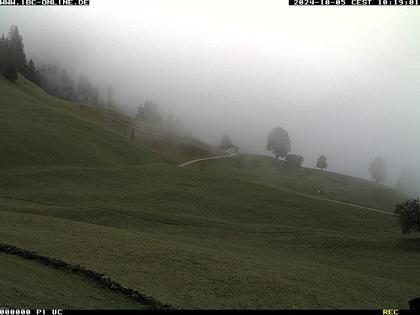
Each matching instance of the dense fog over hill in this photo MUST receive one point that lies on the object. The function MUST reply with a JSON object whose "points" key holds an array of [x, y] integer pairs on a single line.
{"points": [[342, 82]]}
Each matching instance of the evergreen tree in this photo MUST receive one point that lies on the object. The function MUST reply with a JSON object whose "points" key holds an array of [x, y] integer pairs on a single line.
{"points": [[226, 144], [3, 52], [148, 113], [11, 72], [16, 49], [54, 80], [31, 73]]}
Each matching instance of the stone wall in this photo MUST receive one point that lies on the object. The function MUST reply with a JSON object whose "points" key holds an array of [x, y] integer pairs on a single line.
{"points": [[100, 278]]}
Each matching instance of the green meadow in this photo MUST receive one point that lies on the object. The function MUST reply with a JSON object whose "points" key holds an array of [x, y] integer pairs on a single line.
{"points": [[240, 232]]}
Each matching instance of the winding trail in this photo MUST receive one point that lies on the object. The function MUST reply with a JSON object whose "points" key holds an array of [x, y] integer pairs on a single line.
{"points": [[126, 125], [344, 203], [208, 158], [291, 191]]}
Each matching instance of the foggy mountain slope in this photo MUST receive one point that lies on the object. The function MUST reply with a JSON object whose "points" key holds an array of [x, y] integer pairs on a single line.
{"points": [[172, 147], [126, 93], [188, 238], [325, 184], [34, 134]]}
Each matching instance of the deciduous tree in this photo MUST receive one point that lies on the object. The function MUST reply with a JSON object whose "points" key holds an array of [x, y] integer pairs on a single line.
{"points": [[294, 160], [278, 142], [378, 169], [409, 215], [322, 162]]}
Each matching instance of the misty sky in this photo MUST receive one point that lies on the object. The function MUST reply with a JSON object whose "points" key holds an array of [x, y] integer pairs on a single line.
{"points": [[342, 81]]}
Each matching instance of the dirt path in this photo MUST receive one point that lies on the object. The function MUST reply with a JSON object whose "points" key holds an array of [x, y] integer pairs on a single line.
{"points": [[291, 191], [343, 203], [208, 158]]}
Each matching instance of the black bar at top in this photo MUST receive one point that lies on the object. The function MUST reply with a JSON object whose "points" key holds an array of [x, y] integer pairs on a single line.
{"points": [[355, 2], [43, 2]]}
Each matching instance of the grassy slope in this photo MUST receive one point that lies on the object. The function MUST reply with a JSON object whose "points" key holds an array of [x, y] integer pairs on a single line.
{"points": [[34, 134], [38, 285], [193, 238], [171, 147], [268, 171]]}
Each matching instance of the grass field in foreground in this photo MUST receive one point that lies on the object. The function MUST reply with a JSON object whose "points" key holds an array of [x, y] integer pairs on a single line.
{"points": [[206, 241], [28, 284], [185, 236]]}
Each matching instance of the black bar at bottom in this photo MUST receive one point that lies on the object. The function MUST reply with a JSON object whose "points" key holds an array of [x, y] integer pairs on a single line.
{"points": [[354, 2], [292, 312]]}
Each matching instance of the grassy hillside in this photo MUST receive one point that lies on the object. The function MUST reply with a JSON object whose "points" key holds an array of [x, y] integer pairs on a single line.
{"points": [[171, 147], [34, 133], [250, 246], [269, 171], [27, 284], [191, 238]]}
